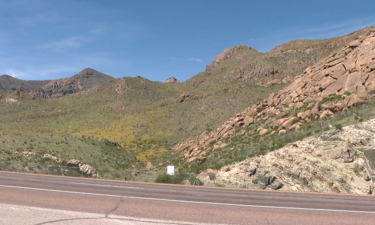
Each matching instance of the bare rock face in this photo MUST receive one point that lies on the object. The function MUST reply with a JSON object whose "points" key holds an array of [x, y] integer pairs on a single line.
{"points": [[333, 84], [171, 80], [83, 167], [332, 162]]}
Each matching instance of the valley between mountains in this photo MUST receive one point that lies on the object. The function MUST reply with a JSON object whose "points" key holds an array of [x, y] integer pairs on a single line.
{"points": [[299, 117]]}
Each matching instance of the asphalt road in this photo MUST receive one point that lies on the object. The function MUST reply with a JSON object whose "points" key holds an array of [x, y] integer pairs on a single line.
{"points": [[187, 204]]}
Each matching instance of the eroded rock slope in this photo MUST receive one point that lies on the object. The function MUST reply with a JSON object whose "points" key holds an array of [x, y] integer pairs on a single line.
{"points": [[333, 162]]}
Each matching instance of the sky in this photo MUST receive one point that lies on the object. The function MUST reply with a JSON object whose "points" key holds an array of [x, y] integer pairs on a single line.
{"points": [[158, 39]]}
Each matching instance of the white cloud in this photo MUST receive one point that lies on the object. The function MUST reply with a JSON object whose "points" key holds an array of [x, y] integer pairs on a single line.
{"points": [[195, 59]]}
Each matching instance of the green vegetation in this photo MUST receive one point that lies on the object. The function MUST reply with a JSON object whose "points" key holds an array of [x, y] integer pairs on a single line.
{"points": [[338, 126], [333, 98], [181, 178], [26, 153]]}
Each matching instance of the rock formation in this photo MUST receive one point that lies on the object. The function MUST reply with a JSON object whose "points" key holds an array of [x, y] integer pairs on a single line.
{"points": [[171, 80], [342, 80], [83, 167], [333, 162]]}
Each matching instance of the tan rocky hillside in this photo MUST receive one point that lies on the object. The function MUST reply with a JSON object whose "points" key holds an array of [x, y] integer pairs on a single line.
{"points": [[342, 80], [332, 162], [84, 80]]}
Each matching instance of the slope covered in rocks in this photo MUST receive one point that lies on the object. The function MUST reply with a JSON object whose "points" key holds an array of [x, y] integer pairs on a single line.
{"points": [[332, 162], [343, 80]]}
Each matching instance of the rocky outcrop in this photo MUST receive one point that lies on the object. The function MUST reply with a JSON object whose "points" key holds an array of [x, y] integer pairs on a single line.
{"points": [[228, 53], [53, 158], [333, 162], [343, 80], [149, 166], [171, 80], [83, 167]]}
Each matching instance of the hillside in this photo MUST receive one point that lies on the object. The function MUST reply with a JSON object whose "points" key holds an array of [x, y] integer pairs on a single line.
{"points": [[337, 90], [144, 118], [332, 162]]}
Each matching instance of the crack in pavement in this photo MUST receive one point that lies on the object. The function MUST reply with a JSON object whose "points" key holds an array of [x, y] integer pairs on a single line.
{"points": [[108, 217], [71, 219], [114, 209]]}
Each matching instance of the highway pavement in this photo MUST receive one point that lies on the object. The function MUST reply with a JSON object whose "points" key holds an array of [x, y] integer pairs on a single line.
{"points": [[140, 203]]}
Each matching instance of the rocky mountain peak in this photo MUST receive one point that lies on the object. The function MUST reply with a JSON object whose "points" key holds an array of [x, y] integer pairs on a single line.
{"points": [[228, 54], [89, 72], [171, 80]]}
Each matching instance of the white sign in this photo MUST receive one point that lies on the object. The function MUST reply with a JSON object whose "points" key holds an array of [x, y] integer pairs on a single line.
{"points": [[170, 170]]}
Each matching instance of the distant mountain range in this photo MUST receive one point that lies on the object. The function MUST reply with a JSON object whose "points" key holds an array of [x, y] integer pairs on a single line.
{"points": [[84, 80]]}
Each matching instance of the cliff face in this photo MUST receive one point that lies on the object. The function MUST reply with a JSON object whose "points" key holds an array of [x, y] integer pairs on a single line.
{"points": [[333, 162]]}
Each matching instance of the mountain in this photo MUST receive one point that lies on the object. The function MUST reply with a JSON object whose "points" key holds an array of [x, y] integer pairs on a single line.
{"points": [[145, 119], [84, 80], [337, 90]]}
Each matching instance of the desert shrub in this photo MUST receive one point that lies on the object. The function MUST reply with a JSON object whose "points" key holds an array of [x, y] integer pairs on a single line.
{"points": [[212, 176], [347, 93], [164, 178], [338, 126], [357, 168], [333, 98], [180, 178]]}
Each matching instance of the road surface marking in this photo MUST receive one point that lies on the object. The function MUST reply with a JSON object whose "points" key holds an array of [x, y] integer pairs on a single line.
{"points": [[186, 201]]}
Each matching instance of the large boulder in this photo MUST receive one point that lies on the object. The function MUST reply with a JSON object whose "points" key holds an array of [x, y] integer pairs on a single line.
{"points": [[83, 167]]}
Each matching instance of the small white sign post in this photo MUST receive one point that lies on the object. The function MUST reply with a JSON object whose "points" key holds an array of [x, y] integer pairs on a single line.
{"points": [[170, 170]]}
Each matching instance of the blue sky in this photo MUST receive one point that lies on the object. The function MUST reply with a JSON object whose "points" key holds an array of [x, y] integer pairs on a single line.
{"points": [[157, 39]]}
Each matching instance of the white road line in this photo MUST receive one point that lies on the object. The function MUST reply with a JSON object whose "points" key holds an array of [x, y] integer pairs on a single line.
{"points": [[185, 201], [105, 185]]}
